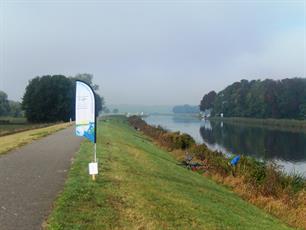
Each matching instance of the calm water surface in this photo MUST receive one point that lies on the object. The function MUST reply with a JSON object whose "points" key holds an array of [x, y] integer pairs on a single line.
{"points": [[286, 148]]}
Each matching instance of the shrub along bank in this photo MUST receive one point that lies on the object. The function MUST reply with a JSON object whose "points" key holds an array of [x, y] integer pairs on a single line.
{"points": [[263, 184]]}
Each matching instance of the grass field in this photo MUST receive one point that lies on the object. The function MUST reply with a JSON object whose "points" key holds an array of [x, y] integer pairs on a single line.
{"points": [[10, 125], [12, 141], [15, 128], [13, 119], [141, 186]]}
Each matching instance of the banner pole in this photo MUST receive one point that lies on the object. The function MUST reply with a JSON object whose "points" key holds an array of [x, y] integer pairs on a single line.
{"points": [[95, 144], [95, 160], [85, 117], [95, 153], [95, 140]]}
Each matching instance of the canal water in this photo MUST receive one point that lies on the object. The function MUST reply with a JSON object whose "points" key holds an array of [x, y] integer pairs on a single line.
{"points": [[286, 148]]}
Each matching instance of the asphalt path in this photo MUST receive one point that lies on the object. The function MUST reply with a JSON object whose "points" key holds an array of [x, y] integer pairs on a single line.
{"points": [[32, 176]]}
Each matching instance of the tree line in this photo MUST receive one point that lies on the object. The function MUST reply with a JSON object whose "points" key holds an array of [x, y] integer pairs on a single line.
{"points": [[52, 98], [185, 109], [9, 107], [259, 99]]}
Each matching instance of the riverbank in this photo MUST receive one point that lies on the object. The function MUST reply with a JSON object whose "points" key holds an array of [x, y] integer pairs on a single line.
{"points": [[262, 184], [142, 186], [280, 124]]}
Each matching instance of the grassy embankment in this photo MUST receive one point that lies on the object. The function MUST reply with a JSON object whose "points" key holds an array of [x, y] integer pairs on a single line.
{"points": [[263, 184], [280, 124], [141, 186], [12, 141]]}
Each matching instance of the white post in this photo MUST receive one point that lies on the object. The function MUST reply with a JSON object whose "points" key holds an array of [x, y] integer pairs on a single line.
{"points": [[95, 160]]}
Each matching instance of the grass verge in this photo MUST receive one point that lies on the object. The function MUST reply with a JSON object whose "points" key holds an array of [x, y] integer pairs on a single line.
{"points": [[141, 186], [13, 141], [8, 129], [11, 125]]}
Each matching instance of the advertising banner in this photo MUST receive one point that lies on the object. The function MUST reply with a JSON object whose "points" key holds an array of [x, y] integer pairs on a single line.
{"points": [[85, 119]]}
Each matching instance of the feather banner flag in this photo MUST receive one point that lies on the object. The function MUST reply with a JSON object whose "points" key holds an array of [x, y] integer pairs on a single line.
{"points": [[85, 118]]}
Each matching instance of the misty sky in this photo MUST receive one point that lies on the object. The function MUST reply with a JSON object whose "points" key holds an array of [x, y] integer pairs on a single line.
{"points": [[151, 52]]}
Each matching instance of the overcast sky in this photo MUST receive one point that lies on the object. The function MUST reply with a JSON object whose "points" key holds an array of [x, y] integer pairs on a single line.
{"points": [[151, 52]]}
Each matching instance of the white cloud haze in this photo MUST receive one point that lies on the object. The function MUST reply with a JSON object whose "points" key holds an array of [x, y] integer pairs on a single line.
{"points": [[151, 52]]}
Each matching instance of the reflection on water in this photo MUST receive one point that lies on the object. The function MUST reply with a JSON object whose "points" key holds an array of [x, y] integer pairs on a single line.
{"points": [[258, 142], [286, 148]]}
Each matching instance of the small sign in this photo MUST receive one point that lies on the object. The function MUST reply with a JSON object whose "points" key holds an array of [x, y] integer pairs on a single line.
{"points": [[93, 168]]}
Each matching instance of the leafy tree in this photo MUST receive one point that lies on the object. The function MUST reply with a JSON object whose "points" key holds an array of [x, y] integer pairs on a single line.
{"points": [[208, 101], [185, 109], [52, 98], [49, 99], [4, 104], [303, 110], [88, 78], [106, 110], [261, 99], [115, 110], [15, 109]]}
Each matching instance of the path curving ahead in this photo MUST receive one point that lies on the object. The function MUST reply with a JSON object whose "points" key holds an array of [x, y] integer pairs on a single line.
{"points": [[31, 177]]}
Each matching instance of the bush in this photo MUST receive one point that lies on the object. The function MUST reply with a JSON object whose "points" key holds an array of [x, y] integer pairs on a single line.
{"points": [[219, 164], [271, 185], [199, 151], [184, 141], [171, 140], [297, 182]]}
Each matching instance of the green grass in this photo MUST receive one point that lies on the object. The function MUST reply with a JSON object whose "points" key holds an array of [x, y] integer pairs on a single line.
{"points": [[15, 128], [13, 119], [10, 125], [15, 140], [140, 186]]}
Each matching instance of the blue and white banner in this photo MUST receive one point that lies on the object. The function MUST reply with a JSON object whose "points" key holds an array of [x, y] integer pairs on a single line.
{"points": [[85, 119]]}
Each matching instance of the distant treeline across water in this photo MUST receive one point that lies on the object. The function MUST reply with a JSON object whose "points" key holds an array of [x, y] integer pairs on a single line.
{"points": [[259, 99]]}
